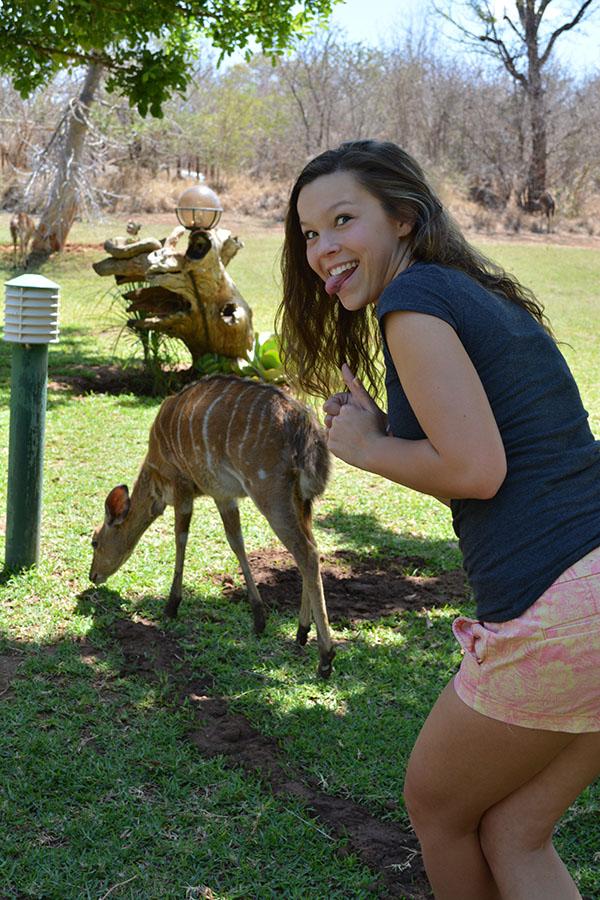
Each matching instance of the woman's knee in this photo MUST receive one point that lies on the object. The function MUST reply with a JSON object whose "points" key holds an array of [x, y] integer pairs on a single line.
{"points": [[429, 807], [505, 831], [421, 799]]}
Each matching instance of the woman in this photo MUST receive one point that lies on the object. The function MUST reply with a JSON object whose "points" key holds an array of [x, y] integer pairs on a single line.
{"points": [[483, 414]]}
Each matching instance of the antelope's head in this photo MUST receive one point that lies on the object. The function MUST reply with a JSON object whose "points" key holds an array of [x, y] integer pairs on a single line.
{"points": [[125, 520], [110, 540]]}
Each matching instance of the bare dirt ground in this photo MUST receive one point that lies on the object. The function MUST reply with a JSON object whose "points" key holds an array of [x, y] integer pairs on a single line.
{"points": [[355, 589]]}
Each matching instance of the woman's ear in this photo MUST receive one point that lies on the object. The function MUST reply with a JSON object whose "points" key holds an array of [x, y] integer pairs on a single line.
{"points": [[404, 229]]}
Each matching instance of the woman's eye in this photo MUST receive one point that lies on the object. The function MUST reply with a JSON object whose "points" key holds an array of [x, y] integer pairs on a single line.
{"points": [[342, 219], [94, 543], [309, 235]]}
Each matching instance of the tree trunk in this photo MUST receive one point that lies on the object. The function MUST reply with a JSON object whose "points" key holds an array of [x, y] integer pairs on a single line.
{"points": [[536, 175], [59, 214]]}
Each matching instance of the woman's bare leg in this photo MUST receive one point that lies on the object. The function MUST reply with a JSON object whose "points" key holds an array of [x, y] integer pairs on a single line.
{"points": [[516, 834], [462, 765]]}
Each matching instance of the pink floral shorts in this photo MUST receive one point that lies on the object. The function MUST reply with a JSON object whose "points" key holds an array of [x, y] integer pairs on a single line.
{"points": [[541, 670]]}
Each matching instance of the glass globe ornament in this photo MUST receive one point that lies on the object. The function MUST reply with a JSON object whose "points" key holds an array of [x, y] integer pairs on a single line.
{"points": [[198, 208]]}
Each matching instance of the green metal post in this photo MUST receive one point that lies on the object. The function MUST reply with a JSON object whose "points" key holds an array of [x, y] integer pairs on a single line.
{"points": [[26, 454]]}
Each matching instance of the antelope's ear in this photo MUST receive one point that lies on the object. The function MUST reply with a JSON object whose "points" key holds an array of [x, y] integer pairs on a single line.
{"points": [[117, 505]]}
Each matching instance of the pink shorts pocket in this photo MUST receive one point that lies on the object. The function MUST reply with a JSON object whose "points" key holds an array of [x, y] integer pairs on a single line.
{"points": [[474, 637]]}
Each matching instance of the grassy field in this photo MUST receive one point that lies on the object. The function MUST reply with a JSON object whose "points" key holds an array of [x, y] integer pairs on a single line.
{"points": [[102, 790]]}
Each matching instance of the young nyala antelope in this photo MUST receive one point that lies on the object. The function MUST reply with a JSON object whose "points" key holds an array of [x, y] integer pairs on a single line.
{"points": [[227, 438]]}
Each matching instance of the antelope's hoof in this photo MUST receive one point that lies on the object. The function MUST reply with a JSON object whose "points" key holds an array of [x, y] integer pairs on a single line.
{"points": [[302, 634], [326, 664]]}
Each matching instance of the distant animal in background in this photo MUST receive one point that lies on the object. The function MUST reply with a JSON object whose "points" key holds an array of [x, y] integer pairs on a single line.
{"points": [[21, 227], [546, 205], [133, 228]]}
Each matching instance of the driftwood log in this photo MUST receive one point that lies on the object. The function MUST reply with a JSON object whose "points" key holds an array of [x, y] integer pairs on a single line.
{"points": [[187, 295]]}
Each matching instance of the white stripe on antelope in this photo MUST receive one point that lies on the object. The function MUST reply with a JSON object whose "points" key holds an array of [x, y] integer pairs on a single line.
{"points": [[199, 446]]}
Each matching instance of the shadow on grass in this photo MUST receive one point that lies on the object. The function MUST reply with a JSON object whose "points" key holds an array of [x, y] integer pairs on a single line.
{"points": [[363, 532], [350, 736], [77, 368]]}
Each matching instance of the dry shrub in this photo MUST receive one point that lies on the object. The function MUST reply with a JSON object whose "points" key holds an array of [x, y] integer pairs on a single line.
{"points": [[581, 225], [134, 190], [11, 194], [538, 225], [485, 221], [513, 218], [138, 192], [264, 199]]}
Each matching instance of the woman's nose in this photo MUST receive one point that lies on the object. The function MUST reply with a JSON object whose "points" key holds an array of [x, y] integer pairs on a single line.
{"points": [[328, 245]]}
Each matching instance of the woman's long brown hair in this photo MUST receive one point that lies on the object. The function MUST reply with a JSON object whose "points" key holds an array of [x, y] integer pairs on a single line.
{"points": [[316, 333]]}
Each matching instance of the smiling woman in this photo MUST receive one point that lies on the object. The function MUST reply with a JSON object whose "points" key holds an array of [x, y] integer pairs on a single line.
{"points": [[352, 244], [482, 409]]}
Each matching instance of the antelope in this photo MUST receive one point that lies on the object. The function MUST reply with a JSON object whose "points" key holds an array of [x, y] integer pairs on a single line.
{"points": [[546, 205], [21, 227], [226, 437]]}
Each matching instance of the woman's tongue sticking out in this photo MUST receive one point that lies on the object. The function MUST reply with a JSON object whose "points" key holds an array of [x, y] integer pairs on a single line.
{"points": [[334, 282]]}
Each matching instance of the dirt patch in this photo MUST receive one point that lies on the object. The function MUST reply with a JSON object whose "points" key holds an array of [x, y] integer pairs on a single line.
{"points": [[108, 379], [114, 379], [147, 651], [392, 853], [355, 588]]}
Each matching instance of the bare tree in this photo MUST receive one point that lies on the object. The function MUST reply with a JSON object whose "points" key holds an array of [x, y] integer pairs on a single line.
{"points": [[523, 43], [61, 208]]}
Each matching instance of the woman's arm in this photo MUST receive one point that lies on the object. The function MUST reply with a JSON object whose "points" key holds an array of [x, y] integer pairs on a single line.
{"points": [[463, 455]]}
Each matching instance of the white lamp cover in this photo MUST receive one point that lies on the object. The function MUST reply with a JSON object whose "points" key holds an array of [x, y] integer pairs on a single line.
{"points": [[31, 310]]}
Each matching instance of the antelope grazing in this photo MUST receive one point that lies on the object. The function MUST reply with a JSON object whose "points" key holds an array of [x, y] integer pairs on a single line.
{"points": [[21, 227], [546, 205], [226, 437]]}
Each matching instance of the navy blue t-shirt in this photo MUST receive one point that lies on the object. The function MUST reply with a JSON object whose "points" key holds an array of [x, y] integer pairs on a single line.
{"points": [[546, 514]]}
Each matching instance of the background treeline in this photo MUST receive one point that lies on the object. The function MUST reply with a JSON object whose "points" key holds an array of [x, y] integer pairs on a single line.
{"points": [[251, 126]]}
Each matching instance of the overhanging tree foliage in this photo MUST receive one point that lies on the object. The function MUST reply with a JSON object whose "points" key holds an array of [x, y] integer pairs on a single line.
{"points": [[146, 47], [146, 50]]}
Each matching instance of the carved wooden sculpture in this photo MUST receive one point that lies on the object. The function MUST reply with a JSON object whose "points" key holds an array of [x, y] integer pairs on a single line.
{"points": [[187, 295]]}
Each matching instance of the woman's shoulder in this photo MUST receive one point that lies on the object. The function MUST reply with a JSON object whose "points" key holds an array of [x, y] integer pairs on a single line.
{"points": [[426, 286], [435, 274]]}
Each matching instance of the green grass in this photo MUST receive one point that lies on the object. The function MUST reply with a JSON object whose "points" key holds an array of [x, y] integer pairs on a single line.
{"points": [[99, 785]]}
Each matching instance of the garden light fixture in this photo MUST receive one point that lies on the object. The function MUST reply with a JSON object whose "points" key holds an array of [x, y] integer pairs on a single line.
{"points": [[198, 208], [30, 324]]}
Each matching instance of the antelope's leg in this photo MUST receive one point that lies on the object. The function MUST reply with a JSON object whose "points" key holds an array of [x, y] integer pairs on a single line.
{"points": [[304, 618], [311, 576], [230, 515], [290, 519], [184, 505]]}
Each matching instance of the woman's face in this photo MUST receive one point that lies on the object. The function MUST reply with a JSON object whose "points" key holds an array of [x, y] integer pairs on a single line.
{"points": [[351, 242]]}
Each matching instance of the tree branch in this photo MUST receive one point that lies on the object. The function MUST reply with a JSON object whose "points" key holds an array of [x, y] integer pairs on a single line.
{"points": [[514, 28], [490, 37], [566, 27], [508, 60], [92, 56]]}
